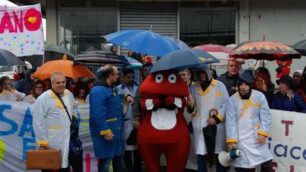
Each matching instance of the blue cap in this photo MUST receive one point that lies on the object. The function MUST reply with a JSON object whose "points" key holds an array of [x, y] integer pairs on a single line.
{"points": [[247, 76]]}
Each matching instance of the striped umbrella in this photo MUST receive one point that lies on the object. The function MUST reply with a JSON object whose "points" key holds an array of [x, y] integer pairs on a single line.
{"points": [[265, 50]]}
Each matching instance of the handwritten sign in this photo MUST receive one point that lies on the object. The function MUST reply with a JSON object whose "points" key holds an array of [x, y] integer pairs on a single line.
{"points": [[21, 30], [287, 141]]}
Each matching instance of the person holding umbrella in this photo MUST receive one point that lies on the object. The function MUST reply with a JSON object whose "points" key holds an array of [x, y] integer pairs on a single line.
{"points": [[207, 105]]}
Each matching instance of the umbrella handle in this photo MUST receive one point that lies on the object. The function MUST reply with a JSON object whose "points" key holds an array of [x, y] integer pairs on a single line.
{"points": [[212, 112]]}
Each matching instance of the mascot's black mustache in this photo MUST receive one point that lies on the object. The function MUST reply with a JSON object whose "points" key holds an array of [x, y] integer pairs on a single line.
{"points": [[169, 107]]}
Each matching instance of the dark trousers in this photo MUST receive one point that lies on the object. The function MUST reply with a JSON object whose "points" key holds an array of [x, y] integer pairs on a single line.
{"points": [[202, 167], [132, 161], [104, 164], [76, 162], [60, 170], [264, 167], [245, 169]]}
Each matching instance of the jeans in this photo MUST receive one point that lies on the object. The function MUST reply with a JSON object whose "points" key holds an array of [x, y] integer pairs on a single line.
{"points": [[201, 160], [104, 164], [202, 167]]}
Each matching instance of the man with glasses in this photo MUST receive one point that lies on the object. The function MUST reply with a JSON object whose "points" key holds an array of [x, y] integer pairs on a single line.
{"points": [[8, 93], [230, 78]]}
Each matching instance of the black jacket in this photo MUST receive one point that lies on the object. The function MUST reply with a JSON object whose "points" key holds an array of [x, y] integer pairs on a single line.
{"points": [[230, 82]]}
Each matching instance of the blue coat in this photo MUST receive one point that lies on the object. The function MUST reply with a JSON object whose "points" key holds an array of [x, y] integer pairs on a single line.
{"points": [[281, 102], [106, 116]]}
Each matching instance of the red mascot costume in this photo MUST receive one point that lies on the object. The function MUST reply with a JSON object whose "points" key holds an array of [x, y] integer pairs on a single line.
{"points": [[163, 128]]}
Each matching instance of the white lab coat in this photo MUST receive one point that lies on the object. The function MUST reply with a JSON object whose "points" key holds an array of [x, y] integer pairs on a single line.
{"points": [[51, 122], [29, 98], [246, 119], [215, 96], [192, 158], [11, 95]]}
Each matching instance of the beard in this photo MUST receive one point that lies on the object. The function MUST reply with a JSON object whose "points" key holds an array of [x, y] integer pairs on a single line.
{"points": [[245, 94]]}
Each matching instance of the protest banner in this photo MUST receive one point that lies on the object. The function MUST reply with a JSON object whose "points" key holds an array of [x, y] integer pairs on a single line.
{"points": [[286, 142], [21, 30]]}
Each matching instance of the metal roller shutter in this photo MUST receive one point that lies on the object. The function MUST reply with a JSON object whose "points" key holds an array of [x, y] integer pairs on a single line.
{"points": [[160, 17], [142, 15]]}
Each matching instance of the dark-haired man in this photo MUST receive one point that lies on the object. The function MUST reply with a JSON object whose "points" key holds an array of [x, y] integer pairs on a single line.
{"points": [[129, 86], [106, 119]]}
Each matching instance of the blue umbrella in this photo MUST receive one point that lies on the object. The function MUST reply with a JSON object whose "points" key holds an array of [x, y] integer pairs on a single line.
{"points": [[182, 45], [188, 58], [142, 41], [134, 64]]}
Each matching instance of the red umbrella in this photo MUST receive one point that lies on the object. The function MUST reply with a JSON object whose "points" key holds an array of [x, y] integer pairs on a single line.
{"points": [[265, 50], [219, 51], [214, 48]]}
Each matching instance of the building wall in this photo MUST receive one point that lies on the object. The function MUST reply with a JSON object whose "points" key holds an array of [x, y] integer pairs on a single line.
{"points": [[51, 18], [279, 20]]}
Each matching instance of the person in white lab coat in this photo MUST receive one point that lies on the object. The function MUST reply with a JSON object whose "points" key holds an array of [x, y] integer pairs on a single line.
{"points": [[8, 93], [51, 122], [132, 160], [208, 109], [248, 121]]}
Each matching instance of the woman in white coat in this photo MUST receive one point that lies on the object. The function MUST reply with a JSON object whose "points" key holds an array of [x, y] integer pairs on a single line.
{"points": [[248, 121], [209, 95]]}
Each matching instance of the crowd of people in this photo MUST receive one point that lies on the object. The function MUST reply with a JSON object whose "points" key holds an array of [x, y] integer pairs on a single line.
{"points": [[235, 107]]}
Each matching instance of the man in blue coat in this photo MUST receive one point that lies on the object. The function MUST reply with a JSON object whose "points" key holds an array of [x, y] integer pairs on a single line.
{"points": [[106, 120]]}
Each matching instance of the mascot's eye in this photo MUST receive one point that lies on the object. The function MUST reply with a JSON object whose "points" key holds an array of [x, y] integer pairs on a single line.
{"points": [[172, 78], [159, 78]]}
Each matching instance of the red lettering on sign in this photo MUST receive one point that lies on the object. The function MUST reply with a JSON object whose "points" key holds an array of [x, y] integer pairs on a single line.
{"points": [[18, 21], [15, 21], [6, 23], [287, 123]]}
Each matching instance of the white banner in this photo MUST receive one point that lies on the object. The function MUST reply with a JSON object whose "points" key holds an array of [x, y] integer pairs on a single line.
{"points": [[287, 141], [21, 30], [17, 136]]}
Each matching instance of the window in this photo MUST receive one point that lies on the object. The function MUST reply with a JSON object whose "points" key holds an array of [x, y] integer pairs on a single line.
{"points": [[82, 28], [207, 25]]}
